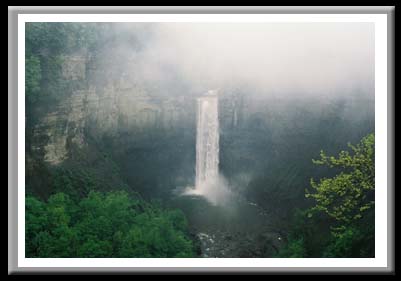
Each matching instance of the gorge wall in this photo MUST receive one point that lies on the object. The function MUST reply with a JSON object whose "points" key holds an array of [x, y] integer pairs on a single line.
{"points": [[144, 129], [148, 126]]}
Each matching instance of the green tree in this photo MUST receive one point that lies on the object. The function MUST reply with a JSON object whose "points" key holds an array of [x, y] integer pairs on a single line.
{"points": [[345, 244], [112, 224], [35, 223], [341, 223], [295, 248], [347, 196]]}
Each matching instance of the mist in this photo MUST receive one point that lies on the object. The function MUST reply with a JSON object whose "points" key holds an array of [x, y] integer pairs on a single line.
{"points": [[271, 59]]}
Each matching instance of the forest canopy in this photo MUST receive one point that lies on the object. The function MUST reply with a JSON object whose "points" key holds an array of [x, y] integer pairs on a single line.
{"points": [[101, 225]]}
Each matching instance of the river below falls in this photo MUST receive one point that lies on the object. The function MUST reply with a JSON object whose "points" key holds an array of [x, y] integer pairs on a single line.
{"points": [[237, 229]]}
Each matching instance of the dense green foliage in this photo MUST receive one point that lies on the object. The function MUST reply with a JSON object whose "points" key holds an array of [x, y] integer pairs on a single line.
{"points": [[346, 204], [347, 196], [104, 225]]}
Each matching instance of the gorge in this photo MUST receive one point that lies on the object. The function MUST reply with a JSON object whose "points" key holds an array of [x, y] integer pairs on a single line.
{"points": [[107, 113]]}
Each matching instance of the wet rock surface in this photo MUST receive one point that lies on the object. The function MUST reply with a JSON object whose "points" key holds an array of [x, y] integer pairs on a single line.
{"points": [[239, 229]]}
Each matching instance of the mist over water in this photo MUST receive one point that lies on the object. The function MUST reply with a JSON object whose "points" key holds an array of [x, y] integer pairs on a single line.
{"points": [[216, 191]]}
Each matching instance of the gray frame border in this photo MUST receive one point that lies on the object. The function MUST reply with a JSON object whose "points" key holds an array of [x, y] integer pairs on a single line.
{"points": [[13, 132]]}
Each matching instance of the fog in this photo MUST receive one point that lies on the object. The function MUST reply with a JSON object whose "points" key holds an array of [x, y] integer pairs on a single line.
{"points": [[216, 191], [272, 59]]}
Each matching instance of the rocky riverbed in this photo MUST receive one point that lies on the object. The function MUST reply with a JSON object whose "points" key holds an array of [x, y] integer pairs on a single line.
{"points": [[238, 229]]}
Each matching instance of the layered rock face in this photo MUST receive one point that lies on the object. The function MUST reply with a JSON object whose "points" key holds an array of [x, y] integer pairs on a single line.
{"points": [[151, 133], [151, 130], [120, 110]]}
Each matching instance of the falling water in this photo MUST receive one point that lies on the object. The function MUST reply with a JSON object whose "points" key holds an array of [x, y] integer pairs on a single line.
{"points": [[207, 141]]}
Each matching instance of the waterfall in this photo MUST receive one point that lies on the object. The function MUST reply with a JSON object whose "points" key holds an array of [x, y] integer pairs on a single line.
{"points": [[208, 182], [207, 141]]}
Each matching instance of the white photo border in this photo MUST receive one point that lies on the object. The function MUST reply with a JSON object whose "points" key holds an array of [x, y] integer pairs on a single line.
{"points": [[380, 260]]}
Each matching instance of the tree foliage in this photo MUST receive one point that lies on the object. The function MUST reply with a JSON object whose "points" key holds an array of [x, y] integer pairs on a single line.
{"points": [[341, 223], [104, 225], [295, 248], [348, 195]]}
